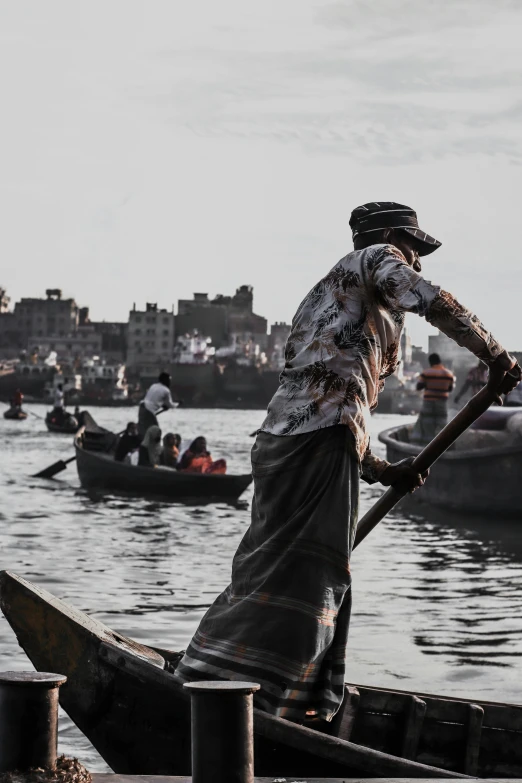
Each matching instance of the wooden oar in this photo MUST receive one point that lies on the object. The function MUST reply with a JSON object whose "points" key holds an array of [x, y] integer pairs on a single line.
{"points": [[36, 415], [478, 405], [57, 467]]}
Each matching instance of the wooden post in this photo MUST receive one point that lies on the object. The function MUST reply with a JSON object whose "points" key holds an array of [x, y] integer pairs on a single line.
{"points": [[222, 731], [28, 719]]}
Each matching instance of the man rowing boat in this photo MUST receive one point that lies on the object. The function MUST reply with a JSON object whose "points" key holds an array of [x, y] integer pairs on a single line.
{"points": [[283, 621]]}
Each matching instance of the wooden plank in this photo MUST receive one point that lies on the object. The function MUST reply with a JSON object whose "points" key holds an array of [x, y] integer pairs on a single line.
{"points": [[445, 708], [476, 716], [341, 752], [343, 722], [413, 728]]}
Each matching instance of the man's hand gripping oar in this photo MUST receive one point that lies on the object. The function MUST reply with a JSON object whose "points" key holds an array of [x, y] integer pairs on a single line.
{"points": [[406, 476]]}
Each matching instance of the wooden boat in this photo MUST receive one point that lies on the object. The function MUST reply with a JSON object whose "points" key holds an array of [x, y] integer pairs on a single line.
{"points": [[98, 470], [15, 414], [480, 474], [124, 699], [69, 426]]}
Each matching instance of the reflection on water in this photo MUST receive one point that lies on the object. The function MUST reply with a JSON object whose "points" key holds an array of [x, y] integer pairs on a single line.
{"points": [[437, 600]]}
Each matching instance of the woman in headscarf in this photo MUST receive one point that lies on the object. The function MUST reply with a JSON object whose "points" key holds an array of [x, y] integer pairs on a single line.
{"points": [[150, 448], [129, 441], [197, 459], [170, 453]]}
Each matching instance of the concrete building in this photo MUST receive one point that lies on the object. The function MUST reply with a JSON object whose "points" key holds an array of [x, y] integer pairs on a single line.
{"points": [[42, 317], [279, 333], [224, 318], [113, 339], [150, 338], [82, 343]]}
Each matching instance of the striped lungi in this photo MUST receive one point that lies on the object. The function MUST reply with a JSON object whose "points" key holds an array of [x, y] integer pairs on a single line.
{"points": [[432, 418], [283, 621]]}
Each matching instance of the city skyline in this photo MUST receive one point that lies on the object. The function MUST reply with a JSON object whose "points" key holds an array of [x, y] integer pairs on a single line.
{"points": [[216, 146]]}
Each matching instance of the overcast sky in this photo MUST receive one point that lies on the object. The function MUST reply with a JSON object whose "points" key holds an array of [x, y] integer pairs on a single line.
{"points": [[153, 148]]}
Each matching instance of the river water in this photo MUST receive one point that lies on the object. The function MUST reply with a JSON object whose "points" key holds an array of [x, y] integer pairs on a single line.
{"points": [[437, 597]]}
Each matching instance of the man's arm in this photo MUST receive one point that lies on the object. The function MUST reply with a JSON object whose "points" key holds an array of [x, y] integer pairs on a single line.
{"points": [[168, 402], [372, 467], [465, 387], [421, 383], [399, 287]]}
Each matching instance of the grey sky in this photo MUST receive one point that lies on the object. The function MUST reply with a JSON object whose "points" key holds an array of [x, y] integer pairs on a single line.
{"points": [[152, 149]]}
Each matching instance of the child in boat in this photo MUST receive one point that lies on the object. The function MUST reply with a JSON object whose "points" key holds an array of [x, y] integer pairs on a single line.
{"points": [[150, 448], [170, 452], [197, 459]]}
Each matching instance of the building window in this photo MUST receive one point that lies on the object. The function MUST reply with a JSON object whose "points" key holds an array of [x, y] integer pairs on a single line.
{"points": [[138, 319], [165, 344], [166, 319], [137, 331], [166, 332]]}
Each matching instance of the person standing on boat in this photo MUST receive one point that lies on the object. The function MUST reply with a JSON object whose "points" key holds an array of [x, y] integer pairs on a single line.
{"points": [[158, 398], [437, 382], [475, 380], [58, 411], [17, 401], [283, 621]]}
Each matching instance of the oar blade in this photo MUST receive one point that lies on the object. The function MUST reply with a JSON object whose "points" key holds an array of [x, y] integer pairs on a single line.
{"points": [[52, 470]]}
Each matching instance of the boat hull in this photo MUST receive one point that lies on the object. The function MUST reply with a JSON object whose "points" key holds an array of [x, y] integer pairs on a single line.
{"points": [[121, 697], [98, 471], [478, 481], [15, 415], [69, 428]]}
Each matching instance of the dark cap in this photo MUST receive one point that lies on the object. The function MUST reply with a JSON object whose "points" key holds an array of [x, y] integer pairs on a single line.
{"points": [[376, 216]]}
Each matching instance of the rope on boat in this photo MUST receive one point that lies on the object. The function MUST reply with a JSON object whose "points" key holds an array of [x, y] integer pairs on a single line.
{"points": [[65, 771]]}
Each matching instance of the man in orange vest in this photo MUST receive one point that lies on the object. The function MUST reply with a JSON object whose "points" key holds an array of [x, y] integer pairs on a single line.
{"points": [[437, 382]]}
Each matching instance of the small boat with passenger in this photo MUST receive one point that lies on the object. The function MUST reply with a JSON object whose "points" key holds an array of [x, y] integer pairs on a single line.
{"points": [[98, 470], [66, 425], [15, 414], [121, 694], [479, 474]]}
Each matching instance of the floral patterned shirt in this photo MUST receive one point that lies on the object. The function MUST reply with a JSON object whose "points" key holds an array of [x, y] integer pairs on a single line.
{"points": [[345, 341]]}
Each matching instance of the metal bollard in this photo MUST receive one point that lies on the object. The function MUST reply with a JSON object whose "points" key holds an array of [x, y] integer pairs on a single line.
{"points": [[222, 731], [28, 719]]}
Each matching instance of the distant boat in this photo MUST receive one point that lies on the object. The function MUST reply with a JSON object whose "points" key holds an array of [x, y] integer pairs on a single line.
{"points": [[480, 474], [15, 414], [68, 426], [98, 469]]}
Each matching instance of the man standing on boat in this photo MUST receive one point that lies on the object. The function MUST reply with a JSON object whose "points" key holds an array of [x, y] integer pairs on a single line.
{"points": [[437, 382], [158, 398], [475, 380], [283, 621], [58, 411]]}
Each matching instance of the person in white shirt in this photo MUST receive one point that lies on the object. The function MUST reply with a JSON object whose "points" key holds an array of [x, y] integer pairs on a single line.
{"points": [[58, 397], [58, 412], [158, 398]]}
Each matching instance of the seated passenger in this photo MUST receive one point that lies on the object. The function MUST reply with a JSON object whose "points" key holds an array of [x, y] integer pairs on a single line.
{"points": [[197, 459], [170, 452], [150, 448], [127, 442]]}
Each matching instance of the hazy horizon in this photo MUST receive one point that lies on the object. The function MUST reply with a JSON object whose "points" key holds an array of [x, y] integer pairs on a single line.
{"points": [[154, 149]]}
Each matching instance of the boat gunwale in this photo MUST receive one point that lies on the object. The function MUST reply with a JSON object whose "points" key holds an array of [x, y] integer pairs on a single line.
{"points": [[412, 449]]}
